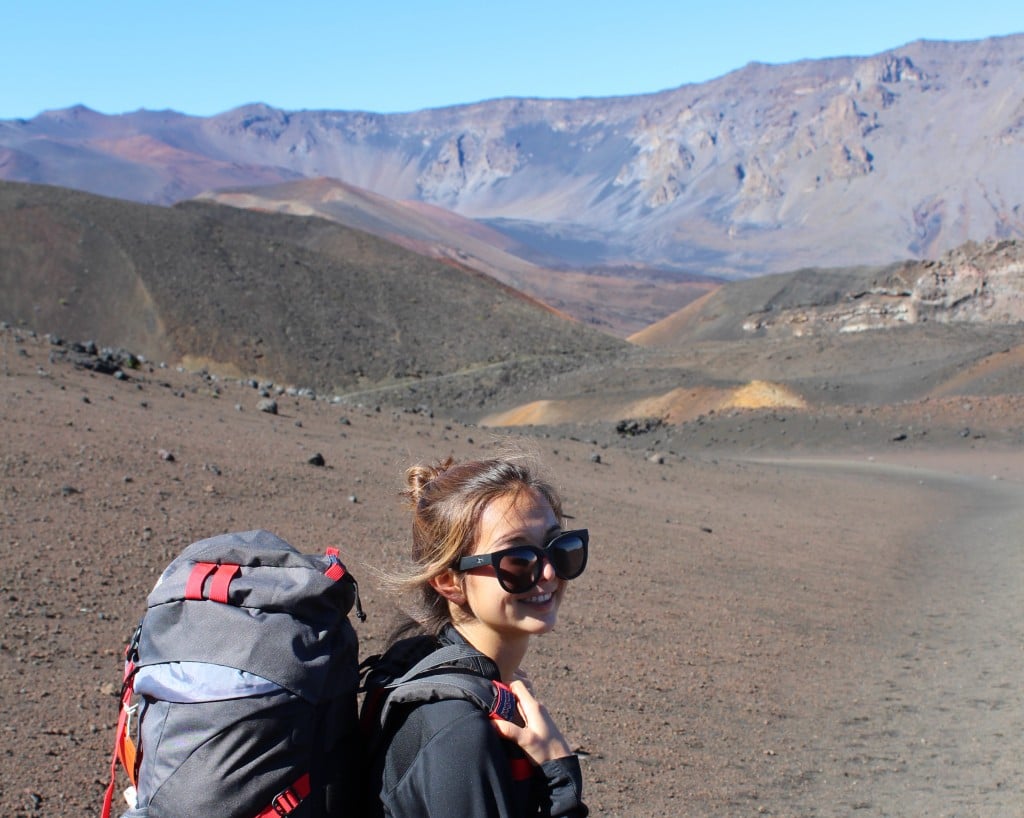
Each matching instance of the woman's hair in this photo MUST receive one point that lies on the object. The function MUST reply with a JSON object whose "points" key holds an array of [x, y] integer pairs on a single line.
{"points": [[447, 501]]}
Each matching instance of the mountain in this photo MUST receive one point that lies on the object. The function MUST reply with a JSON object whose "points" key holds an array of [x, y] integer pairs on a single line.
{"points": [[853, 160], [293, 299]]}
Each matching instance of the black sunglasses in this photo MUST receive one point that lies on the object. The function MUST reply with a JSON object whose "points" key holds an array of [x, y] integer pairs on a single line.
{"points": [[519, 568]]}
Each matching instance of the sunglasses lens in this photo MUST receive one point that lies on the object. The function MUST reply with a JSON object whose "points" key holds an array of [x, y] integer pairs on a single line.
{"points": [[519, 570], [568, 554]]}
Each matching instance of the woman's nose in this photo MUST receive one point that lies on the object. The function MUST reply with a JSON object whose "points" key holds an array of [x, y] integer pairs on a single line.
{"points": [[547, 571]]}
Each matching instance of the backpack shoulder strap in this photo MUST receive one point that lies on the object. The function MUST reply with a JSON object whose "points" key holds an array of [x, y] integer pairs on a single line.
{"points": [[432, 679], [440, 657], [494, 698]]}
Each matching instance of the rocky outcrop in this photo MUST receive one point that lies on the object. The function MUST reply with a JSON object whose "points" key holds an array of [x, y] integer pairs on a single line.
{"points": [[466, 163], [972, 284]]}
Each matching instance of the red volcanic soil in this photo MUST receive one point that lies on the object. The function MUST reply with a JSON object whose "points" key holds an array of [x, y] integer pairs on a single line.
{"points": [[838, 634]]}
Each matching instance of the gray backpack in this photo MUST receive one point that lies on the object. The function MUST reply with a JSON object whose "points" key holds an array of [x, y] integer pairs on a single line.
{"points": [[240, 686], [241, 683]]}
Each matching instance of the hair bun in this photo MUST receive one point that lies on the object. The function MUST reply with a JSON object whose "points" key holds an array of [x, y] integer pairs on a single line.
{"points": [[418, 477]]}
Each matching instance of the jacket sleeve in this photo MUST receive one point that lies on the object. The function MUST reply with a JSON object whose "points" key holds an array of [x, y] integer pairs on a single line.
{"points": [[565, 788], [447, 760]]}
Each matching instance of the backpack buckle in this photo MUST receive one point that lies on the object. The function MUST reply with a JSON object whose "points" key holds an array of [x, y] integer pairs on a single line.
{"points": [[286, 801]]}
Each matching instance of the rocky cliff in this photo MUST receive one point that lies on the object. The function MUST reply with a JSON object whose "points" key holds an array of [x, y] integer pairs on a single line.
{"points": [[978, 284]]}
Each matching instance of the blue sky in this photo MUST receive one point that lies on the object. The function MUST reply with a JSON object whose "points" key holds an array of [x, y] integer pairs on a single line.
{"points": [[206, 56]]}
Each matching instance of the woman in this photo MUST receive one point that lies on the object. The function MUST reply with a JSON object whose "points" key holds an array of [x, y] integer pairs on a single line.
{"points": [[492, 562]]}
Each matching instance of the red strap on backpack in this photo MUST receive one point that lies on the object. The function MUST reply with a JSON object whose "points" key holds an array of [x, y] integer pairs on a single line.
{"points": [[336, 570], [196, 578], [504, 705], [219, 585], [503, 708], [221, 582], [522, 769], [124, 748], [286, 801]]}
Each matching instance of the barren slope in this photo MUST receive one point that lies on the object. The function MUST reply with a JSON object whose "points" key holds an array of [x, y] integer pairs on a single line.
{"points": [[818, 342], [620, 300], [293, 299]]}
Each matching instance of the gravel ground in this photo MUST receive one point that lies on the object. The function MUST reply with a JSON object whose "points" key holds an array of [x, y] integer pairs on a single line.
{"points": [[826, 629]]}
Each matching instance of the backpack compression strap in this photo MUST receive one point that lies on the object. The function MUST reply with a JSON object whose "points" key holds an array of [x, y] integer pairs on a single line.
{"points": [[124, 747]]}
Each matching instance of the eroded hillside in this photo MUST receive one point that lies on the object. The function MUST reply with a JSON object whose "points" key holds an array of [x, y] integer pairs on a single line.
{"points": [[293, 299]]}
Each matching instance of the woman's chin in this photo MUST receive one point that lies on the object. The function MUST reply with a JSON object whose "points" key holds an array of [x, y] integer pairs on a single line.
{"points": [[541, 611]]}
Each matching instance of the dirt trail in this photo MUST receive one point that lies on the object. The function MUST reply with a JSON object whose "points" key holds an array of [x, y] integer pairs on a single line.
{"points": [[929, 718]]}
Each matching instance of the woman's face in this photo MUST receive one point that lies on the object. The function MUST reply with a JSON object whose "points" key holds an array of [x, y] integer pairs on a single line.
{"points": [[525, 518]]}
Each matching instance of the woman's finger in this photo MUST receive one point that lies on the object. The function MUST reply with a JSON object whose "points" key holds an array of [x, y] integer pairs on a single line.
{"points": [[529, 707], [507, 729]]}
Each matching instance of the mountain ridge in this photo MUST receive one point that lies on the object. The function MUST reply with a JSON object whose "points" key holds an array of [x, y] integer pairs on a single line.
{"points": [[848, 160]]}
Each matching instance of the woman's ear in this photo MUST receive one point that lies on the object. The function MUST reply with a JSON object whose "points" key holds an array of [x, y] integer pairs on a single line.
{"points": [[448, 585]]}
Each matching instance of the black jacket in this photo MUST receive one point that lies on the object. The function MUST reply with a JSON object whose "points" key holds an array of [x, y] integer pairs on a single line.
{"points": [[444, 758]]}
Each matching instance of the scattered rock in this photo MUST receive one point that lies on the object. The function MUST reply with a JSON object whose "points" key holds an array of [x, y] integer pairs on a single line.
{"points": [[631, 427], [268, 405], [317, 460], [167, 455]]}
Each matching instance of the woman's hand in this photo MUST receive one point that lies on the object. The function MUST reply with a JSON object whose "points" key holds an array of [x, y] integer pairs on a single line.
{"points": [[539, 737]]}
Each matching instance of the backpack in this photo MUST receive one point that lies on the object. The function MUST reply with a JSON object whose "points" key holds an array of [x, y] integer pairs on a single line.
{"points": [[241, 683]]}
